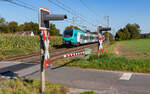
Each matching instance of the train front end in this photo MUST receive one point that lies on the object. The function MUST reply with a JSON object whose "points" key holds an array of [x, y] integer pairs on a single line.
{"points": [[68, 37]]}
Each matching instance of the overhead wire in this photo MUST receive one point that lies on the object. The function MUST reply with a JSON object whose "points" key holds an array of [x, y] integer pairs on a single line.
{"points": [[91, 10], [74, 12], [21, 5], [26, 4], [68, 9]]}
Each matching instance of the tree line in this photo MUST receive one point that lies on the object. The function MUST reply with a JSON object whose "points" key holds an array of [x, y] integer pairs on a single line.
{"points": [[146, 35], [13, 27], [130, 31]]}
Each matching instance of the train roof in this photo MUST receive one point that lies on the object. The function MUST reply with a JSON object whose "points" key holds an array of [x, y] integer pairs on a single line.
{"points": [[81, 31]]}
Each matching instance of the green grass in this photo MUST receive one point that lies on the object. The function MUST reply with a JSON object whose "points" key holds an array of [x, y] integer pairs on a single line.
{"points": [[141, 45], [110, 61], [13, 45], [32, 86], [109, 49], [29, 86], [88, 92]]}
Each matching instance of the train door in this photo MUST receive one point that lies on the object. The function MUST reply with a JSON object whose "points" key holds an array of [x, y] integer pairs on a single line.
{"points": [[78, 38]]}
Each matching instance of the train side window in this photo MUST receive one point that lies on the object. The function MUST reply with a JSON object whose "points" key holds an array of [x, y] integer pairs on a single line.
{"points": [[81, 36]]}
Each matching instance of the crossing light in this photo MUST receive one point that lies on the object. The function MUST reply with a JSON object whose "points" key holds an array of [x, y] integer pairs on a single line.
{"points": [[45, 17]]}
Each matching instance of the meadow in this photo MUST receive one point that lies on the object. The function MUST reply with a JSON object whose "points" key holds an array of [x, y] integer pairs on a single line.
{"points": [[136, 48], [111, 61], [140, 45], [13, 45]]}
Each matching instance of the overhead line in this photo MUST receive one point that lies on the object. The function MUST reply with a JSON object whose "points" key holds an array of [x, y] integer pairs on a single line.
{"points": [[75, 12], [26, 3], [87, 7], [68, 10], [91, 10], [10, 1]]}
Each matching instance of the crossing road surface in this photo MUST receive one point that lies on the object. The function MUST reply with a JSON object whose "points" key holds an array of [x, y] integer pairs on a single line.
{"points": [[104, 82]]}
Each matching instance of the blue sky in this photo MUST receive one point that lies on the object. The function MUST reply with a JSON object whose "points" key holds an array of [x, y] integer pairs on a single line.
{"points": [[121, 12]]}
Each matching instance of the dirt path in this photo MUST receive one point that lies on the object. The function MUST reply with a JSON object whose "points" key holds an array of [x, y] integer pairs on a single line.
{"points": [[116, 49], [121, 50]]}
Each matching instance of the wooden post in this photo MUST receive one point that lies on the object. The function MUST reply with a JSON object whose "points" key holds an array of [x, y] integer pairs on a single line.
{"points": [[98, 32], [43, 81], [42, 62]]}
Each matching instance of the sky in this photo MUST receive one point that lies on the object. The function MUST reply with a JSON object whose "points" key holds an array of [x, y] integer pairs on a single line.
{"points": [[120, 12]]}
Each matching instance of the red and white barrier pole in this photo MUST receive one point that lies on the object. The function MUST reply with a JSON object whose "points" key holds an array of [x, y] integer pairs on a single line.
{"points": [[74, 54]]}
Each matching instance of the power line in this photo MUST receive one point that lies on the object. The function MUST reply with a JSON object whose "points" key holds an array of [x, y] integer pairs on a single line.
{"points": [[87, 7], [79, 15], [60, 6], [91, 10], [68, 9], [74, 12], [26, 4], [21, 5]]}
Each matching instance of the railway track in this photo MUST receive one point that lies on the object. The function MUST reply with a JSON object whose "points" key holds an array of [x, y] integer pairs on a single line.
{"points": [[55, 54]]}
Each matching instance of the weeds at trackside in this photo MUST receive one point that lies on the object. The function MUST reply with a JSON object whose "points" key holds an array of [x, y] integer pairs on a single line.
{"points": [[110, 61]]}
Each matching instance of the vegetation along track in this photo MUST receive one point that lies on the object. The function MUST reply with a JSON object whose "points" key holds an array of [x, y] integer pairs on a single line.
{"points": [[55, 54]]}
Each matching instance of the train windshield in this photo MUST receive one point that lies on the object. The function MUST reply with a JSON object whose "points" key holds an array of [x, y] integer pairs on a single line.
{"points": [[68, 33]]}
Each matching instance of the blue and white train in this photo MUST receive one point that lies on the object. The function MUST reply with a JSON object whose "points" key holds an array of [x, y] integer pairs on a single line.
{"points": [[77, 37]]}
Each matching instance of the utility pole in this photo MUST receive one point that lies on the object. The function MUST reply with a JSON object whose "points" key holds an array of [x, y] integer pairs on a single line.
{"points": [[73, 20], [107, 21]]}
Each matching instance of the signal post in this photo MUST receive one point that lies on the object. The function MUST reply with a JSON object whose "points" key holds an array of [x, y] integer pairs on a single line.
{"points": [[101, 38], [44, 18]]}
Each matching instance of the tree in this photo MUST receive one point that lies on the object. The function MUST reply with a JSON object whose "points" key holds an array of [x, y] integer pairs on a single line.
{"points": [[94, 32], [134, 30], [53, 30], [146, 35], [29, 26], [72, 27], [119, 35], [88, 31], [126, 34], [13, 26], [107, 34], [4, 28], [2, 21], [21, 27], [130, 31]]}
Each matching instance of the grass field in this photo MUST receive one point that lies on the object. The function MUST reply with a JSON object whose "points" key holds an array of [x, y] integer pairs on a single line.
{"points": [[141, 45], [13, 45], [136, 48], [111, 61]]}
